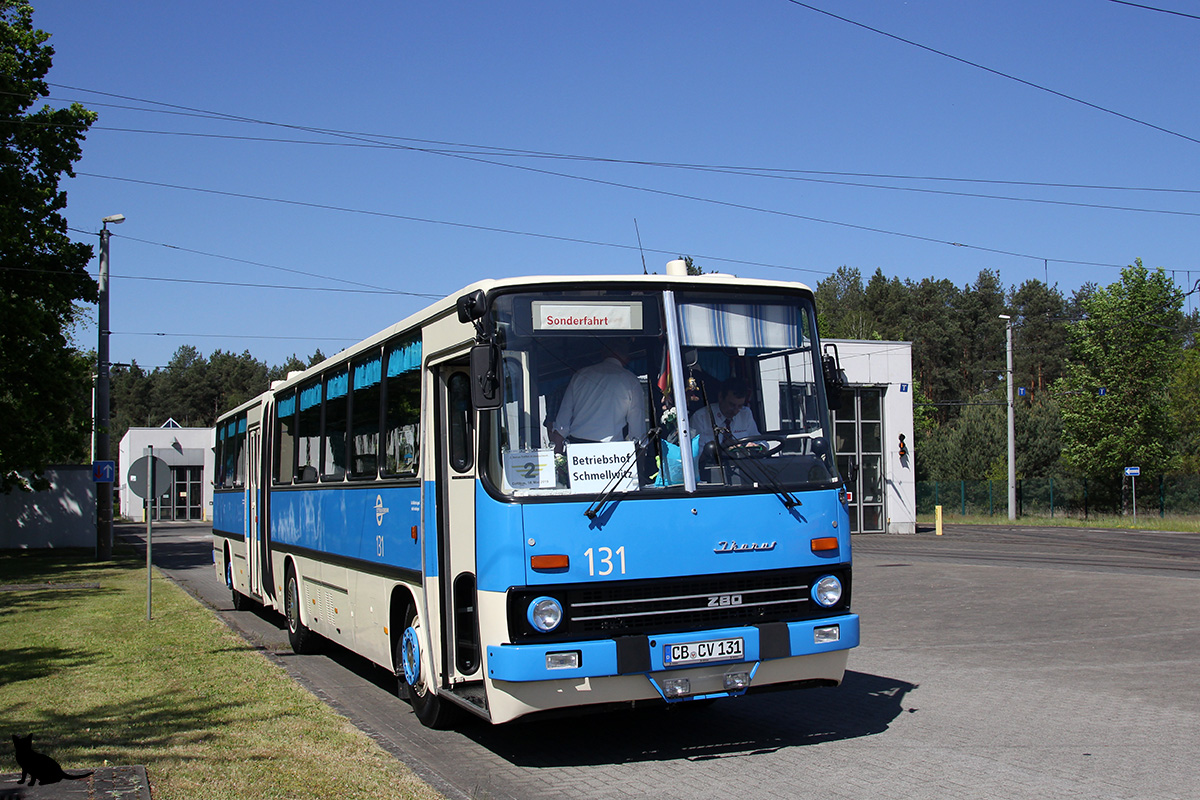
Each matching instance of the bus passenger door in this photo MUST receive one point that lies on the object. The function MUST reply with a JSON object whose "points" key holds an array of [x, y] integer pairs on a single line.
{"points": [[253, 529], [456, 471]]}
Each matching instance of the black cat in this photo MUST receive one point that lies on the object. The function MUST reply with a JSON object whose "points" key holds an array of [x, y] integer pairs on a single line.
{"points": [[38, 766]]}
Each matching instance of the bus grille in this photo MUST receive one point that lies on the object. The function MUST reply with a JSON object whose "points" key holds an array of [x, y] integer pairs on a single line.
{"points": [[678, 604]]}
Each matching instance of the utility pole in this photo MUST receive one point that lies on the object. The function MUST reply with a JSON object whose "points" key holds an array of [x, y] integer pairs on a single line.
{"points": [[1012, 428], [104, 491]]}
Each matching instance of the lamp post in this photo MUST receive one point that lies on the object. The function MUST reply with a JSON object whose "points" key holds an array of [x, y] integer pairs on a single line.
{"points": [[104, 492], [1012, 430]]}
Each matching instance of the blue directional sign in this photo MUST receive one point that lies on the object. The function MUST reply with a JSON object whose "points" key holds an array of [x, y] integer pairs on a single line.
{"points": [[1021, 391], [1103, 391], [104, 471], [904, 387], [1133, 472]]}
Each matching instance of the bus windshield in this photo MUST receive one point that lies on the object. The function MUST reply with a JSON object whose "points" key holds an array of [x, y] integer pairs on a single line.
{"points": [[601, 388]]}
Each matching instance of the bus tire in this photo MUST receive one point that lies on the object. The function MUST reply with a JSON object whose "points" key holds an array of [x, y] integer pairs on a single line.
{"points": [[240, 601], [412, 677], [303, 640]]}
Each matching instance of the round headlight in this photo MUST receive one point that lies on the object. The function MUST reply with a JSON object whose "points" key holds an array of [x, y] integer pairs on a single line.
{"points": [[544, 614], [827, 591]]}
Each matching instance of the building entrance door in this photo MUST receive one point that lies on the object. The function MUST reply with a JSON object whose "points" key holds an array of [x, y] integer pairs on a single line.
{"points": [[859, 431]]}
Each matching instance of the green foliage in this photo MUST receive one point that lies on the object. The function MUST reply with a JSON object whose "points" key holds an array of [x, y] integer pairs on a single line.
{"points": [[1185, 410], [42, 272], [1039, 336], [974, 445], [191, 389], [1128, 342]]}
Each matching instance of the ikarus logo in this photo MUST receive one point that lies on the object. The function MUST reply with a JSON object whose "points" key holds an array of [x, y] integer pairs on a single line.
{"points": [[750, 547], [380, 510]]}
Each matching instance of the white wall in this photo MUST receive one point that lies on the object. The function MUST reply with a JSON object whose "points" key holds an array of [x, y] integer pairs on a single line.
{"points": [[62, 516], [888, 365]]}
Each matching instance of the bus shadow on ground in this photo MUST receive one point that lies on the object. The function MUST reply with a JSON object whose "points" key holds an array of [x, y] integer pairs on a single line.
{"points": [[864, 705]]}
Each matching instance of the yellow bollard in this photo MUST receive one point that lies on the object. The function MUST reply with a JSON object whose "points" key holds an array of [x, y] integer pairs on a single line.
{"points": [[938, 513]]}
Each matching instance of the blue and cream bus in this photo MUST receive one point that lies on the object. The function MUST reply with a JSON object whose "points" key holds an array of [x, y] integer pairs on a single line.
{"points": [[405, 499]]}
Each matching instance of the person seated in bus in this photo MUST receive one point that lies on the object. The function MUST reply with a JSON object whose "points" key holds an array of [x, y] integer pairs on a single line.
{"points": [[604, 402], [728, 419]]}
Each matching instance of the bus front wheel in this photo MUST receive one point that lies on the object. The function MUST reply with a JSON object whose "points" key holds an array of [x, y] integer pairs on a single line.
{"points": [[413, 678]]}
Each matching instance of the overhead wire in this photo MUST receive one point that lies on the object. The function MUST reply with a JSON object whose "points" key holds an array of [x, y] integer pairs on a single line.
{"points": [[996, 72], [366, 138]]}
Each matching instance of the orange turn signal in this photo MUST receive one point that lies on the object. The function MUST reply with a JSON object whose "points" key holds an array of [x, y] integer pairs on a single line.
{"points": [[824, 543], [550, 562]]}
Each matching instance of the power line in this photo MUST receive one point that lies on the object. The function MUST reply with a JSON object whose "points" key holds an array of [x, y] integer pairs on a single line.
{"points": [[235, 336], [500, 151], [1153, 8], [575, 240], [996, 72], [751, 172], [467, 225]]}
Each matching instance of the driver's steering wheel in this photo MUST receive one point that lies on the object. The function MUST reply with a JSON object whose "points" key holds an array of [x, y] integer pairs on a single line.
{"points": [[755, 446]]}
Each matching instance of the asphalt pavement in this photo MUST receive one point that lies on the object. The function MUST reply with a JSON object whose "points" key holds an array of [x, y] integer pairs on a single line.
{"points": [[1014, 663]]}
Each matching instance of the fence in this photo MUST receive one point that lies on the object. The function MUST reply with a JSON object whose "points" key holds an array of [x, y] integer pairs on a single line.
{"points": [[1177, 495]]}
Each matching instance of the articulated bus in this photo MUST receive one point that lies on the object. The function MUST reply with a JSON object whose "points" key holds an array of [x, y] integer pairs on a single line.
{"points": [[410, 499]]}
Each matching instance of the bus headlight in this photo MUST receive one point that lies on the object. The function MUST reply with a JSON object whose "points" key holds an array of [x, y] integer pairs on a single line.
{"points": [[827, 591], [544, 614]]}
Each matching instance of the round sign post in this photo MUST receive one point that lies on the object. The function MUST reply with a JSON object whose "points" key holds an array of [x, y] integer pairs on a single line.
{"points": [[149, 478]]}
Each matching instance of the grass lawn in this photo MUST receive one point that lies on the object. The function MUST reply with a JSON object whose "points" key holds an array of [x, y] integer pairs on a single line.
{"points": [[96, 683]]}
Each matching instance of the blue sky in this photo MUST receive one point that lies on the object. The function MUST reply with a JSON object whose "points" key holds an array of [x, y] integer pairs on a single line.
{"points": [[810, 102]]}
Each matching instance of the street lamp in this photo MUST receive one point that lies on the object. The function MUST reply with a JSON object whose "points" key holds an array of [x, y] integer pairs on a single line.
{"points": [[1012, 429], [104, 493]]}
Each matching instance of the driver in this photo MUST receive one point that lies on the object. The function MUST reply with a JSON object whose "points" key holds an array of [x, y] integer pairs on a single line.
{"points": [[729, 418]]}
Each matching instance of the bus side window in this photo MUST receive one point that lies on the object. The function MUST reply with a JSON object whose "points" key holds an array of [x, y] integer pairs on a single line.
{"points": [[402, 414], [364, 417], [462, 456], [308, 433], [337, 409], [285, 448]]}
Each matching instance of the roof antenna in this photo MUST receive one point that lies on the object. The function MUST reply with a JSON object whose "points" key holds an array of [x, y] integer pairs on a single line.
{"points": [[640, 250]]}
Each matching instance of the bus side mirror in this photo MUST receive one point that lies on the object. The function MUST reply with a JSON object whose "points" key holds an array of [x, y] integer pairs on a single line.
{"points": [[835, 381], [485, 376], [472, 306]]}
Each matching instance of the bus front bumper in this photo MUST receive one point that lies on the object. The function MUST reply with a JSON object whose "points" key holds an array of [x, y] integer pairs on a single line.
{"points": [[693, 653]]}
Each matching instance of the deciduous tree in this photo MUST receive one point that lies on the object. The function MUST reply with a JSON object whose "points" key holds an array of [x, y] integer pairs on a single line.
{"points": [[1127, 344], [43, 381]]}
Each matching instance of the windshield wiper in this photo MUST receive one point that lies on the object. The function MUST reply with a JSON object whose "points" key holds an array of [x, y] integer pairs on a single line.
{"points": [[639, 446], [761, 475]]}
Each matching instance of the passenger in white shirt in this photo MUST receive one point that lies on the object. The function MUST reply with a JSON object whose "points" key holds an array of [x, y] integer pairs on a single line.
{"points": [[730, 415], [604, 402]]}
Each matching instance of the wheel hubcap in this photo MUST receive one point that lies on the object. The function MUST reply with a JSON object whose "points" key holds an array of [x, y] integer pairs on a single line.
{"points": [[411, 649]]}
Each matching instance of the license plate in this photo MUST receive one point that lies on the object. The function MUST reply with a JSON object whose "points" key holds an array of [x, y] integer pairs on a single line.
{"points": [[675, 655]]}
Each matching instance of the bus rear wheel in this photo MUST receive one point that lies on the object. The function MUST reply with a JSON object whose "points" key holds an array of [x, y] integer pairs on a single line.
{"points": [[303, 640], [413, 676]]}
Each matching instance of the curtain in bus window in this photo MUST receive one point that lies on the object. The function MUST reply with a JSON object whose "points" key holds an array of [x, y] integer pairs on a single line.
{"points": [[285, 453], [402, 423], [404, 358], [364, 425], [337, 408], [740, 325], [308, 433]]}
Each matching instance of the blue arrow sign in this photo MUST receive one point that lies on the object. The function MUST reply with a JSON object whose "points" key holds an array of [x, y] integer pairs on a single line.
{"points": [[1133, 472], [104, 471]]}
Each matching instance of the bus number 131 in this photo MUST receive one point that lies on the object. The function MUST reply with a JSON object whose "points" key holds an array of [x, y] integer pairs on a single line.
{"points": [[605, 558]]}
